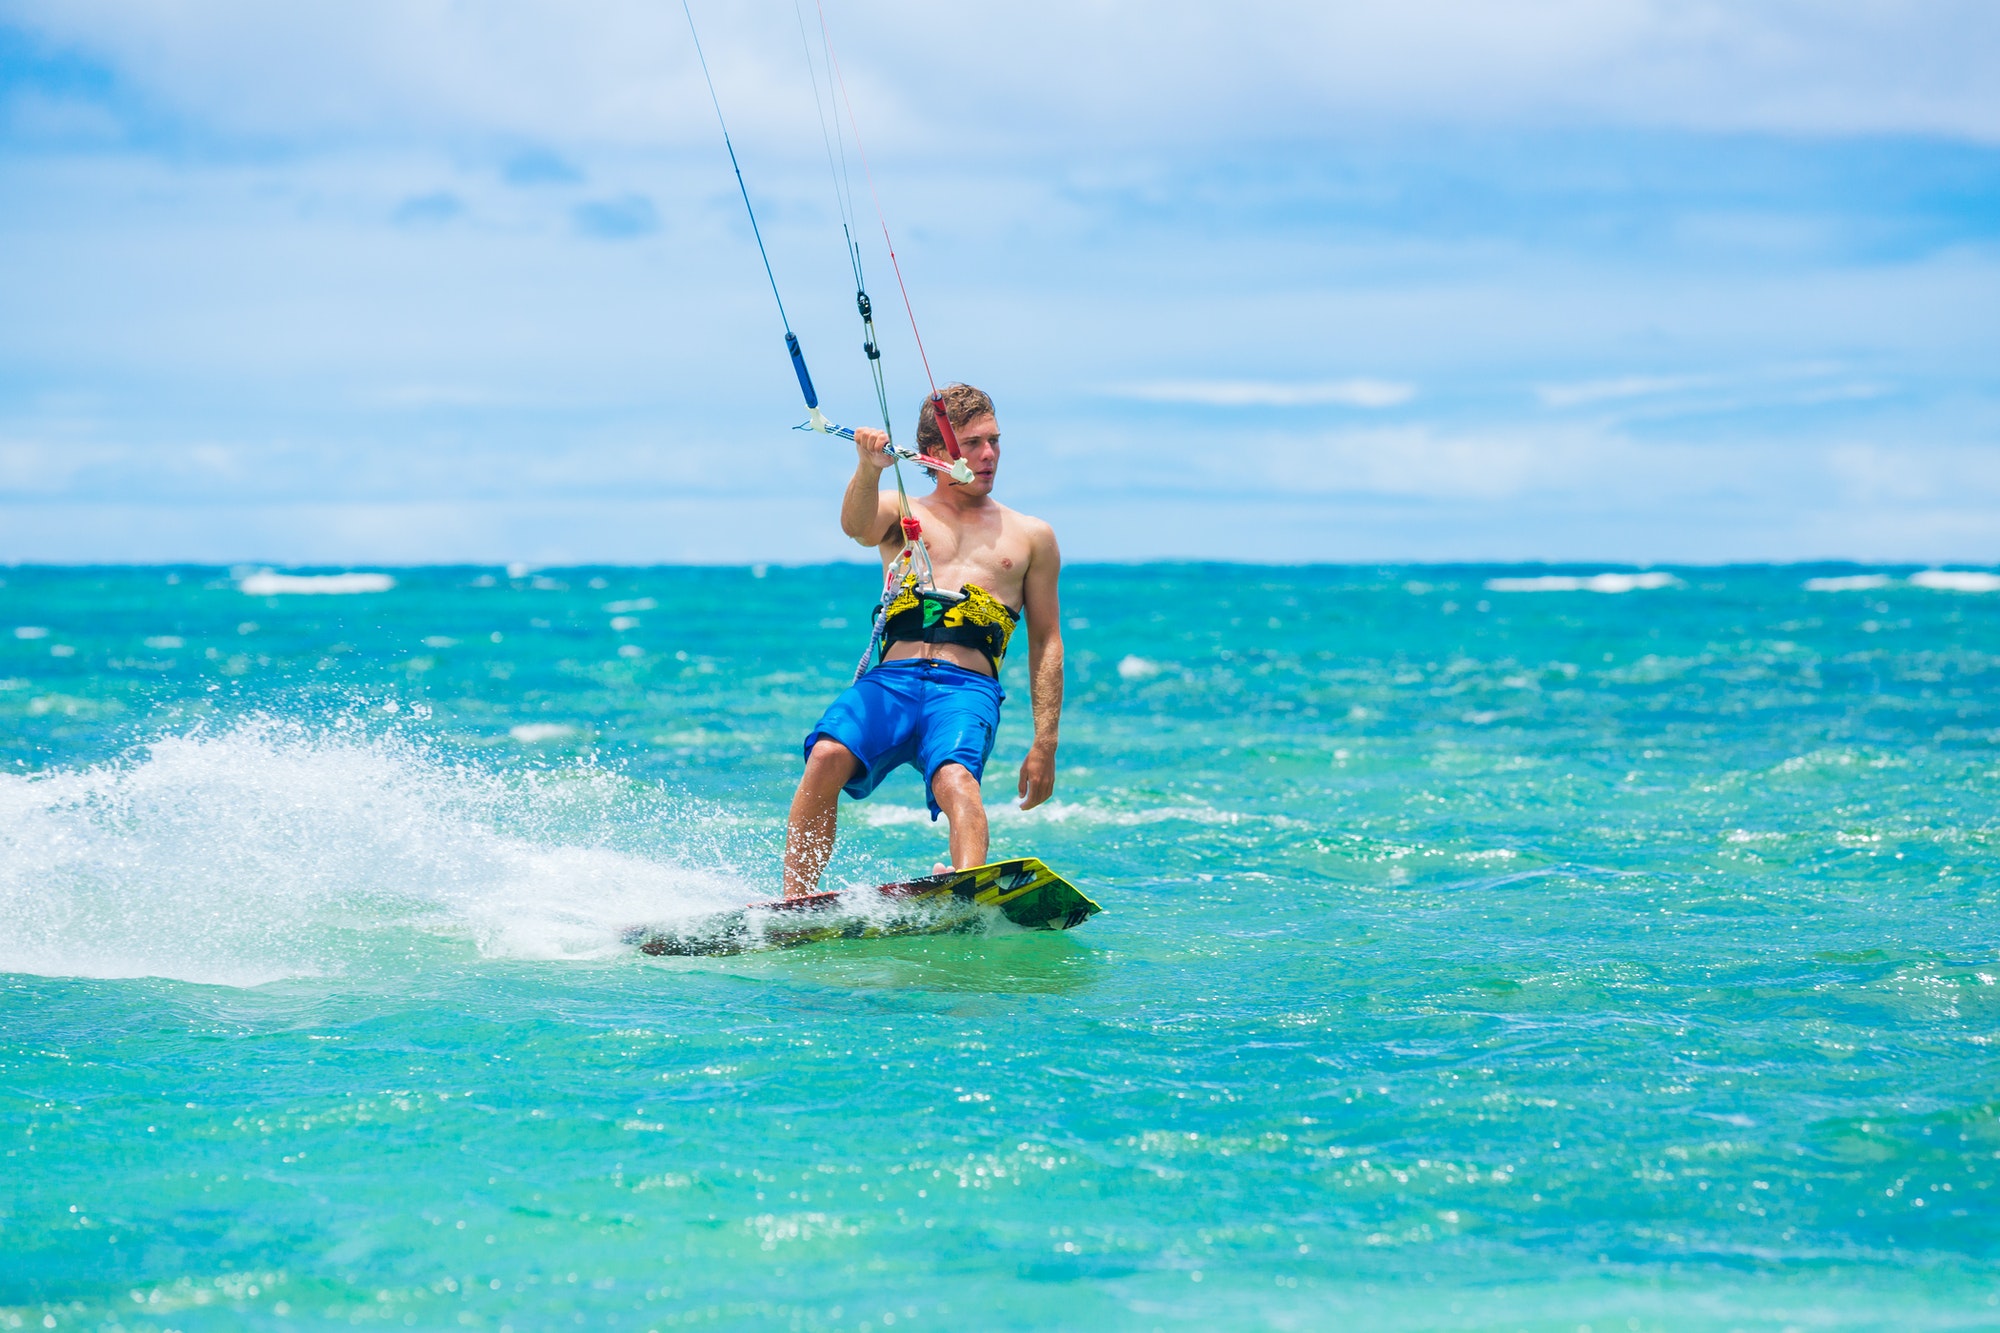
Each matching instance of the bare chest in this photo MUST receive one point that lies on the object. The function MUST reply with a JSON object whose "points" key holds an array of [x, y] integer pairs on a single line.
{"points": [[988, 549]]}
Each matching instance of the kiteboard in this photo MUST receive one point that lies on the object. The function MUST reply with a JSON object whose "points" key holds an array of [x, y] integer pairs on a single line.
{"points": [[1023, 891]]}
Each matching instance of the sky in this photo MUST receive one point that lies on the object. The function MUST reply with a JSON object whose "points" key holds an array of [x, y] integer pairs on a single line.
{"points": [[1617, 281]]}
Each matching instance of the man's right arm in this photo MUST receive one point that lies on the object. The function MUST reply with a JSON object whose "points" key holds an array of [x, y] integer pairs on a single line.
{"points": [[866, 512]]}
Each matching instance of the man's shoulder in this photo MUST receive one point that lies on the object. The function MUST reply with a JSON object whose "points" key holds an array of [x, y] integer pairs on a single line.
{"points": [[1035, 529]]}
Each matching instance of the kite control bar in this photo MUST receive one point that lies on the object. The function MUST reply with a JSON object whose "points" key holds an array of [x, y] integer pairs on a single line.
{"points": [[958, 470]]}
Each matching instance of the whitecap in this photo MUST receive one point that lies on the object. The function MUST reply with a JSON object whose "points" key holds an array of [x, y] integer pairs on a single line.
{"points": [[265, 583], [1132, 667], [1607, 582], [1956, 580], [534, 733]]}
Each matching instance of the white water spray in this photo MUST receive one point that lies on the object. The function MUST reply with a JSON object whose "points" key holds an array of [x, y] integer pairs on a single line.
{"points": [[272, 849]]}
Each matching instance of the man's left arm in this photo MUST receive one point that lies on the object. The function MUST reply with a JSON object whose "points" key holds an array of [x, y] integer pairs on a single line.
{"points": [[1045, 665]]}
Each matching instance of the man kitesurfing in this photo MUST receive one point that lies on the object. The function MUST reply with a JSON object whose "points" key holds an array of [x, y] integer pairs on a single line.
{"points": [[933, 699], [960, 571]]}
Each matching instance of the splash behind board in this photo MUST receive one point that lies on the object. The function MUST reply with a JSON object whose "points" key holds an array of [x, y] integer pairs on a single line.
{"points": [[1024, 891]]}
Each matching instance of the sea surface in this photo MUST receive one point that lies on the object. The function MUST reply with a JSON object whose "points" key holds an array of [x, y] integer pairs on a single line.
{"points": [[1483, 948]]}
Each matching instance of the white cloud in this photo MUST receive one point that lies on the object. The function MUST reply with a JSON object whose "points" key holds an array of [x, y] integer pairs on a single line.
{"points": [[1490, 464], [1874, 472], [1656, 397], [252, 338], [1267, 393], [1114, 73], [1612, 390]]}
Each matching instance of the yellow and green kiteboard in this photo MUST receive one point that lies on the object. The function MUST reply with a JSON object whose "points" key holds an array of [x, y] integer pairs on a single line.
{"points": [[1024, 892]]}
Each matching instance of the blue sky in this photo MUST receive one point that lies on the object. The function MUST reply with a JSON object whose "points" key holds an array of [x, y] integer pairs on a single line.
{"points": [[1616, 281]]}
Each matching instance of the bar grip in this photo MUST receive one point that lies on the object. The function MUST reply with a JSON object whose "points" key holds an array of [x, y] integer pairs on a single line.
{"points": [[942, 417], [799, 365]]}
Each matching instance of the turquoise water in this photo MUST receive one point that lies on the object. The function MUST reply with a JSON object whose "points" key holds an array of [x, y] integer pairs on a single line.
{"points": [[1472, 959]]}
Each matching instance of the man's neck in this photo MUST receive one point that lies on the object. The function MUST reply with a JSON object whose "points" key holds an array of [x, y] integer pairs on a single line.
{"points": [[951, 497]]}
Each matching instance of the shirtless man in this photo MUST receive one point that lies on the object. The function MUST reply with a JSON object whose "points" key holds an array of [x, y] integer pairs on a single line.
{"points": [[933, 702]]}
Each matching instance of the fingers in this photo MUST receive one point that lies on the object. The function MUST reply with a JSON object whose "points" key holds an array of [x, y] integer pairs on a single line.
{"points": [[869, 445], [1037, 785]]}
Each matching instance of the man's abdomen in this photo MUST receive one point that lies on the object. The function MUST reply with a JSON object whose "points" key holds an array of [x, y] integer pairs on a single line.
{"points": [[957, 654]]}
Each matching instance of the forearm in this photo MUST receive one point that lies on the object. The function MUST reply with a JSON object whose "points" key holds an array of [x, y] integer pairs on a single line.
{"points": [[861, 504], [1045, 692]]}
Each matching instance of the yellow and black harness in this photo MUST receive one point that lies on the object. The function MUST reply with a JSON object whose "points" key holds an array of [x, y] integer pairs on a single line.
{"points": [[974, 618]]}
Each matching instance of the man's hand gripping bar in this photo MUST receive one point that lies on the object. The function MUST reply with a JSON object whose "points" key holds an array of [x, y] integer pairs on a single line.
{"points": [[958, 470]]}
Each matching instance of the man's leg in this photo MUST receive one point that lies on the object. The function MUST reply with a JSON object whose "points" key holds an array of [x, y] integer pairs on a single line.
{"points": [[957, 793], [815, 815]]}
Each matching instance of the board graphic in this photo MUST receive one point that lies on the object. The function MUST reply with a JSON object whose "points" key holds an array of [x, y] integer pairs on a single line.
{"points": [[1024, 891]]}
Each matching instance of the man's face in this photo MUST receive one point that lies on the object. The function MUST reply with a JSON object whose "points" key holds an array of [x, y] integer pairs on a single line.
{"points": [[979, 441]]}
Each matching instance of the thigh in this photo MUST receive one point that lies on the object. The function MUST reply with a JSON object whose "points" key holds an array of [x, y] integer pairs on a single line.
{"points": [[876, 718], [959, 727]]}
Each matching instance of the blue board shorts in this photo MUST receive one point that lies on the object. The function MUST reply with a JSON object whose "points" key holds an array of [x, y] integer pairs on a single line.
{"points": [[916, 711]]}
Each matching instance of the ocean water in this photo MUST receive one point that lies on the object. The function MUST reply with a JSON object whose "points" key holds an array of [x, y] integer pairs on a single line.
{"points": [[1483, 948]]}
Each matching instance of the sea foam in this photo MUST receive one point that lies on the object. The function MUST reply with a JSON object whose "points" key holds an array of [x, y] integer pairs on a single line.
{"points": [[264, 583], [1956, 580], [273, 849], [1609, 582]]}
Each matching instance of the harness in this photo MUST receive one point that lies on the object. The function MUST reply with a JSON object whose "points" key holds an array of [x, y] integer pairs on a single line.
{"points": [[974, 618]]}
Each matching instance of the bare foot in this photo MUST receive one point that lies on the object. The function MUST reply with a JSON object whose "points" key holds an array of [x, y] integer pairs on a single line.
{"points": [[940, 868]]}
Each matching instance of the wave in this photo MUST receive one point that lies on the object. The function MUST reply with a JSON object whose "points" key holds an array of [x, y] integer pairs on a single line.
{"points": [[1937, 580], [264, 583], [1956, 580], [1584, 583], [274, 850]]}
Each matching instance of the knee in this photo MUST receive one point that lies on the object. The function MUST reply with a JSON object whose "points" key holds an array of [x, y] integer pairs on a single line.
{"points": [[954, 784], [829, 764]]}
